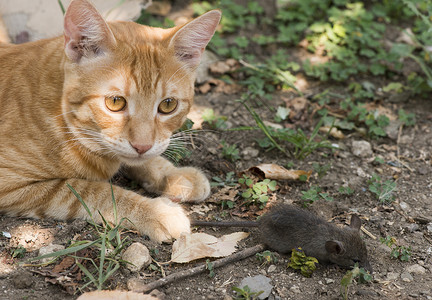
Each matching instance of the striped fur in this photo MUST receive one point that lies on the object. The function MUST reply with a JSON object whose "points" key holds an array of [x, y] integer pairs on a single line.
{"points": [[56, 130]]}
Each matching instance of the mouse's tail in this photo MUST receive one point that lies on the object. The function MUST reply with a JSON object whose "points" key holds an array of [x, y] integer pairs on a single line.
{"points": [[224, 223]]}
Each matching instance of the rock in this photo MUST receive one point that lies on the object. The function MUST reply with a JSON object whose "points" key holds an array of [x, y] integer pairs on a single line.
{"points": [[392, 276], [138, 255], [415, 269], [51, 248], [249, 153], [407, 277], [329, 281], [429, 227], [361, 148], [412, 227], [22, 279], [258, 283], [392, 129], [406, 139], [367, 293], [202, 73], [272, 268], [404, 206], [295, 289]]}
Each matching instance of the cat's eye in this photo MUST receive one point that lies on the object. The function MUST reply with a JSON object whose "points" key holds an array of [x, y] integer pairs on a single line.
{"points": [[116, 103], [167, 106]]}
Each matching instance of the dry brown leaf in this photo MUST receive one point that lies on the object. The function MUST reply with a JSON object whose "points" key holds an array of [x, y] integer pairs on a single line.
{"points": [[198, 245], [334, 132], [276, 172], [115, 295]]}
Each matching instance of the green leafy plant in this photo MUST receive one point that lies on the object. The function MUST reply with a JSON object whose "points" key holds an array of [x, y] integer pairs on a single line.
{"points": [[397, 252], [315, 194], [109, 245], [230, 180], [266, 257], [357, 274], [299, 261], [245, 293], [210, 268], [230, 152], [321, 169], [18, 252], [382, 189], [257, 193], [345, 190], [213, 120], [408, 119]]}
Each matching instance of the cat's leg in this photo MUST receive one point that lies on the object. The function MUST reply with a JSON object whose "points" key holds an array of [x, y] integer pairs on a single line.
{"points": [[160, 176], [159, 218]]}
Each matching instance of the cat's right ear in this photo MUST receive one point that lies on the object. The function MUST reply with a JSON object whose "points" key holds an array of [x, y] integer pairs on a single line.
{"points": [[85, 31]]}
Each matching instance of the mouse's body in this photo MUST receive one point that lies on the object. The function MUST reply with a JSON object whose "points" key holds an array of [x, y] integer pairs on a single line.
{"points": [[286, 227]]}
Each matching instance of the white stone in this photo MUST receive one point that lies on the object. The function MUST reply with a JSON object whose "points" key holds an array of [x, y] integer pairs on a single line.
{"points": [[392, 276], [51, 248], [258, 283], [407, 277], [271, 268], [138, 256], [415, 269], [361, 148]]}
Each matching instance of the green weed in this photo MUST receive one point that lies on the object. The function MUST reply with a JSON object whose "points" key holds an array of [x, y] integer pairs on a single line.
{"points": [[356, 274], [382, 189], [230, 152], [109, 245], [213, 120], [230, 180], [245, 293], [257, 193], [397, 252], [266, 257]]}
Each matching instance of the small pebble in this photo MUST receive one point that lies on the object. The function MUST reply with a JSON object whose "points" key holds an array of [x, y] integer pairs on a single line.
{"points": [[272, 268], [138, 255], [406, 277], [415, 269]]}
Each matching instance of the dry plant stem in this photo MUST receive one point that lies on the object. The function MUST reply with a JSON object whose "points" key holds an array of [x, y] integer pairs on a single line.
{"points": [[197, 270]]}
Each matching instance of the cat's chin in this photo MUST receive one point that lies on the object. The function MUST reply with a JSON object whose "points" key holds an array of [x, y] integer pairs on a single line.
{"points": [[136, 161]]}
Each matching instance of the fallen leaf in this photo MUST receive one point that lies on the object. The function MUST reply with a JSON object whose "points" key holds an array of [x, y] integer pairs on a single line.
{"points": [[276, 172], [66, 263], [115, 295], [198, 245], [334, 132]]}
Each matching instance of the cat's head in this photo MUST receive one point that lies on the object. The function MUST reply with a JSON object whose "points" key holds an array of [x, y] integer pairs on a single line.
{"points": [[128, 86]]}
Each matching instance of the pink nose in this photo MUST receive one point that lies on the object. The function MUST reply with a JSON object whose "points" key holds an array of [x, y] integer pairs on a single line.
{"points": [[141, 148]]}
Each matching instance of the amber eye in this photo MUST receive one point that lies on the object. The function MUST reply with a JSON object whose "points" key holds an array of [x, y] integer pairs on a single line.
{"points": [[116, 103], [167, 106]]}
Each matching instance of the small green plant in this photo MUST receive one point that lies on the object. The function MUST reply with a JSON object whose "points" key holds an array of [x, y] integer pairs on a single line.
{"points": [[408, 119], [397, 252], [356, 274], [345, 190], [281, 114], [383, 189], [257, 193], [266, 257], [321, 169], [230, 152], [213, 120], [18, 252], [299, 261], [210, 267], [314, 194], [230, 180], [109, 245], [245, 293]]}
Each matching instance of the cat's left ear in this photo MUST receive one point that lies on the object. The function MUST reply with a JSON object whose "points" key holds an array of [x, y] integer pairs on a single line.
{"points": [[190, 40], [85, 31]]}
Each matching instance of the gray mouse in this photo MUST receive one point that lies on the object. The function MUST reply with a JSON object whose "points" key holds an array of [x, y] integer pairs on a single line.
{"points": [[285, 227]]}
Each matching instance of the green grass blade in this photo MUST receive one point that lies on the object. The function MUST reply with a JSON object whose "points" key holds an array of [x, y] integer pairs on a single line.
{"points": [[61, 6], [263, 127], [67, 250], [88, 274]]}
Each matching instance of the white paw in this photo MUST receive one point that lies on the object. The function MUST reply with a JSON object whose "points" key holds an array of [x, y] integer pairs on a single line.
{"points": [[169, 221], [187, 185]]}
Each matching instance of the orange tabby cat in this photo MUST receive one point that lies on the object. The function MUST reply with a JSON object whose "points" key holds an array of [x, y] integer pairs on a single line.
{"points": [[78, 107]]}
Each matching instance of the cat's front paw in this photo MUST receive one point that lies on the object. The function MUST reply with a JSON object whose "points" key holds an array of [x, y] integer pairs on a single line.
{"points": [[186, 185], [167, 221]]}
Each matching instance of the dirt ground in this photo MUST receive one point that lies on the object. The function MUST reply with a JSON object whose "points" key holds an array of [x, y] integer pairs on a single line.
{"points": [[407, 218]]}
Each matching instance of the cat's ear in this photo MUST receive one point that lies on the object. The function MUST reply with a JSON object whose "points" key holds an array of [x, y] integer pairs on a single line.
{"points": [[85, 31], [190, 40]]}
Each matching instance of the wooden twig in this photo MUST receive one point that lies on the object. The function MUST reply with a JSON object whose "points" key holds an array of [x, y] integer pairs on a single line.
{"points": [[140, 287], [368, 233]]}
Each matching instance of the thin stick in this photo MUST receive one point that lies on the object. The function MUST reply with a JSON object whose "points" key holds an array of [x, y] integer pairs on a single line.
{"points": [[140, 287]]}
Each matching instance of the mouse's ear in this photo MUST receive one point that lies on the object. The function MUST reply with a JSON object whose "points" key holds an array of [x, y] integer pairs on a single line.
{"points": [[335, 247], [355, 222]]}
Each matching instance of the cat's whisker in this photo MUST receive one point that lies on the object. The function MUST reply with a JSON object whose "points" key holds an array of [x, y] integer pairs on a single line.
{"points": [[63, 114], [181, 68]]}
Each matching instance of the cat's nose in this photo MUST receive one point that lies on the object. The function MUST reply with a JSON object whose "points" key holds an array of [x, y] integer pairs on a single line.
{"points": [[141, 148]]}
